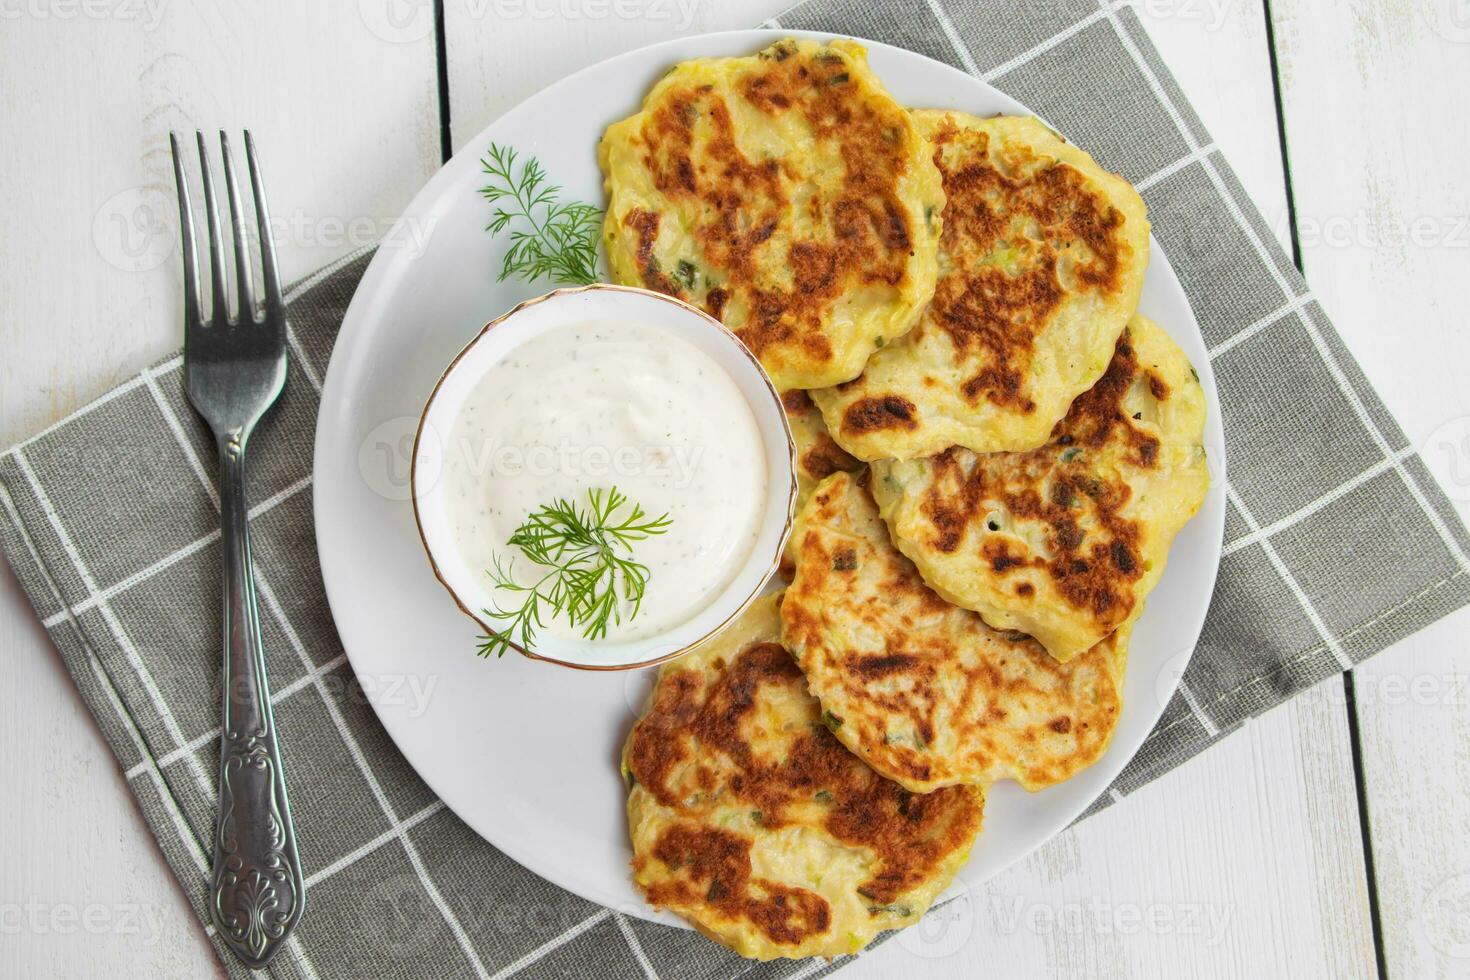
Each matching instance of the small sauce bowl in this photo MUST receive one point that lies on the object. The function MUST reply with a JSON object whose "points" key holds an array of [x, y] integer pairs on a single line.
{"points": [[472, 589]]}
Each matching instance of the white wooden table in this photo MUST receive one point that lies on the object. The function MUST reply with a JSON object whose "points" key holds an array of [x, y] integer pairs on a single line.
{"points": [[1331, 837]]}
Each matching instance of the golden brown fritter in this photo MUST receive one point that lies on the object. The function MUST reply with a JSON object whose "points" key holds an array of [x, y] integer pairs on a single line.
{"points": [[753, 822], [1041, 263], [785, 193], [1064, 542], [817, 455], [920, 689]]}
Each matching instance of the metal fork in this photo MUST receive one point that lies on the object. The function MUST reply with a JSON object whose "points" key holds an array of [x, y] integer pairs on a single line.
{"points": [[234, 370]]}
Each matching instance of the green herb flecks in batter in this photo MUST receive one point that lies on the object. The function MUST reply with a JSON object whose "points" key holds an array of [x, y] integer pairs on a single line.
{"points": [[587, 572], [686, 273], [548, 237]]}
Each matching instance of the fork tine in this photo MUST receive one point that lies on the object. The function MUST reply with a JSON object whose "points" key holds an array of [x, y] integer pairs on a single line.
{"points": [[270, 282], [220, 304], [186, 232], [245, 283]]}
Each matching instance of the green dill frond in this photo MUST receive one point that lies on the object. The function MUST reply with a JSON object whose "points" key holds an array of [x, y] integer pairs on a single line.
{"points": [[588, 573], [549, 238]]}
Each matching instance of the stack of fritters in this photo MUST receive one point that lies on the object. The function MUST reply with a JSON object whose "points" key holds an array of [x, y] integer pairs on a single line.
{"points": [[750, 819], [1040, 265], [994, 449], [1063, 542]]}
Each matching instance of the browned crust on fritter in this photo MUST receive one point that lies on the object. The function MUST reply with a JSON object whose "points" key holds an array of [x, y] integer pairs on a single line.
{"points": [[797, 402], [823, 457], [818, 454], [983, 307], [918, 676], [645, 225], [688, 145], [716, 872], [879, 412], [692, 722], [1093, 553]]}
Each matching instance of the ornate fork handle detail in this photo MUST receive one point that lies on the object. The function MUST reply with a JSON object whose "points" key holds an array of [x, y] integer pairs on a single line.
{"points": [[255, 896], [257, 892]]}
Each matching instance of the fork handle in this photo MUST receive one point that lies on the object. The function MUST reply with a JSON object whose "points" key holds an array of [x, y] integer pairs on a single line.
{"points": [[256, 891]]}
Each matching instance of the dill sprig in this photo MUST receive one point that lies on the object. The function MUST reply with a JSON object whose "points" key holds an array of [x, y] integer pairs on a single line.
{"points": [[589, 575], [550, 237]]}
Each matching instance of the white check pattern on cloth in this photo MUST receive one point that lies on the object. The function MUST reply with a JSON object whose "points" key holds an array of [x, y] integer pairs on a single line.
{"points": [[49, 527]]}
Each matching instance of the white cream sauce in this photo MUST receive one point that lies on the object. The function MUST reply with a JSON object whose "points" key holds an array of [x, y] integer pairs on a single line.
{"points": [[603, 404]]}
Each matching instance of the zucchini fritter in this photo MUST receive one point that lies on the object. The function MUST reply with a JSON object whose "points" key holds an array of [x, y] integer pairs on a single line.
{"points": [[817, 455], [788, 195], [1041, 264], [1064, 542], [751, 820], [922, 690]]}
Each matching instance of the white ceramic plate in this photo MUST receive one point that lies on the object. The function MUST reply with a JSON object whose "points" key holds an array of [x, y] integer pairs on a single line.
{"points": [[526, 753]]}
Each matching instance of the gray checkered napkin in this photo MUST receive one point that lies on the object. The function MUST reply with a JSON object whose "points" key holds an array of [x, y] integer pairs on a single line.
{"points": [[110, 521]]}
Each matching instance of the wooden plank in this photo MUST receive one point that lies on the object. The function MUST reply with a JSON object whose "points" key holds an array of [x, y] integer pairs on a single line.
{"points": [[499, 54], [1375, 124], [73, 843], [347, 126], [1377, 147], [1413, 709], [1244, 862], [347, 132], [1218, 53]]}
